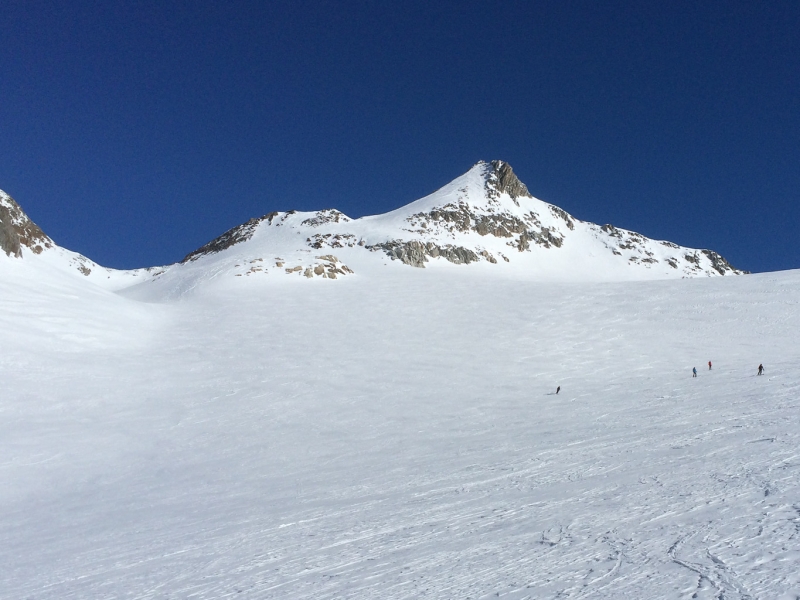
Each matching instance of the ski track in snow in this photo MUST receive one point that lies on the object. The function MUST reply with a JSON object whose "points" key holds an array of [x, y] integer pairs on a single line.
{"points": [[400, 438]]}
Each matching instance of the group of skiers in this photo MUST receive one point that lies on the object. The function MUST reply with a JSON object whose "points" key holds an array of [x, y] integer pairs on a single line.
{"points": [[694, 373], [760, 369]]}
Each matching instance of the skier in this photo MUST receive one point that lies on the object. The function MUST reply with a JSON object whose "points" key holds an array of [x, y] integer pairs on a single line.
{"points": [[558, 389], [709, 365], [694, 371], [760, 369]]}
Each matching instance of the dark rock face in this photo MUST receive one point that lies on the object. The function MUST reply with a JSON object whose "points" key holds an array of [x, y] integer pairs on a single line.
{"points": [[416, 253], [331, 240], [500, 178], [562, 214], [240, 233], [719, 264], [409, 253], [544, 238], [453, 217], [611, 230], [9, 240], [458, 218], [457, 255], [328, 215], [18, 231], [500, 225]]}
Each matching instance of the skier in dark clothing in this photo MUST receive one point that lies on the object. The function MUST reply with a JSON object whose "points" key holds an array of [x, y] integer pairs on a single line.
{"points": [[760, 369], [558, 389], [694, 371], [709, 365]]}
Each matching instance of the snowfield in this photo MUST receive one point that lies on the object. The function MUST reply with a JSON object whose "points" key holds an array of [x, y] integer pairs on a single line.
{"points": [[395, 434]]}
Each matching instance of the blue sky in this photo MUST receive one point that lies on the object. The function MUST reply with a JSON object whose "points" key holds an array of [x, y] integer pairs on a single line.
{"points": [[135, 132]]}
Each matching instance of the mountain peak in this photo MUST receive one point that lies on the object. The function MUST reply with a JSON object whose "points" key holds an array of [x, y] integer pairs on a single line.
{"points": [[486, 215], [501, 179]]}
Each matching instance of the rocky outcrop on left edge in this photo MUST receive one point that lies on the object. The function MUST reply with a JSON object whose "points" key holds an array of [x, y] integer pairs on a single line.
{"points": [[9, 239], [17, 231], [23, 240]]}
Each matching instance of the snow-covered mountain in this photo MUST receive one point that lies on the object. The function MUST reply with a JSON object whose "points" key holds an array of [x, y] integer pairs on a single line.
{"points": [[485, 217], [455, 431]]}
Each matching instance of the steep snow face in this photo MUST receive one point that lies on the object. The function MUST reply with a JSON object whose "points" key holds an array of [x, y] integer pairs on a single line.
{"points": [[485, 216]]}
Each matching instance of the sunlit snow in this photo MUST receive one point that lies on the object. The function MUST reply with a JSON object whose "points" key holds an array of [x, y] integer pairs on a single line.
{"points": [[396, 434], [299, 410]]}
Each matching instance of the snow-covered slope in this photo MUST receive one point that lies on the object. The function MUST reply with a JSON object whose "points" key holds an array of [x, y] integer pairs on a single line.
{"points": [[485, 216], [399, 437], [485, 219], [25, 247]]}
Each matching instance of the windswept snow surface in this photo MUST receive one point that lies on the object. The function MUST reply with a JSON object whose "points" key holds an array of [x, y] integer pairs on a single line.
{"points": [[400, 437]]}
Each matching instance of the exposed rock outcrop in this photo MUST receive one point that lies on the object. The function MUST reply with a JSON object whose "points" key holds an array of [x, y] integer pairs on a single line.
{"points": [[9, 240], [415, 253], [327, 266], [331, 240], [501, 179], [328, 215], [501, 225], [562, 214], [719, 264], [236, 235], [18, 231]]}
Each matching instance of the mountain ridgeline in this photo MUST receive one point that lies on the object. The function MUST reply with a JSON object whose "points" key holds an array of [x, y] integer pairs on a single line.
{"points": [[486, 216]]}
